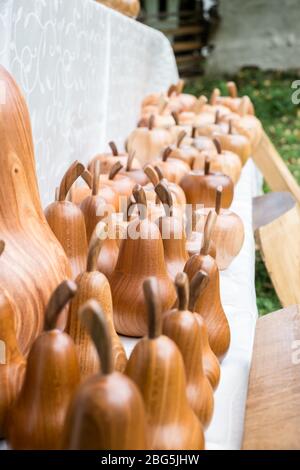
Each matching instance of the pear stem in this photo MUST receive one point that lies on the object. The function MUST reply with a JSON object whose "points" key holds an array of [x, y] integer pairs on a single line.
{"points": [[217, 117], [197, 286], [116, 168], [182, 289], [130, 161], [96, 178], [93, 319], [208, 228], [218, 146], [87, 178], [151, 293], [165, 197], [232, 89], [207, 166], [180, 138], [58, 300], [219, 192], [194, 130], [159, 173], [114, 149], [166, 154], [141, 201], [175, 117], [151, 122], [69, 178], [2, 246], [172, 89], [152, 174], [230, 127]]}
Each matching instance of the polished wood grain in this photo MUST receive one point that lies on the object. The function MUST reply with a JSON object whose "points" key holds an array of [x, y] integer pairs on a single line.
{"points": [[209, 305], [231, 164], [32, 251], [183, 151], [177, 192], [107, 412], [157, 367], [273, 404], [141, 255], [173, 169], [37, 418], [78, 193], [92, 284], [182, 327], [67, 222], [236, 144], [172, 232], [107, 160], [269, 207]]}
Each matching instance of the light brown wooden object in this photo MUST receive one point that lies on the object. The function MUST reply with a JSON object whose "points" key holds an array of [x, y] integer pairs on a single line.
{"points": [[141, 255], [37, 418], [67, 222], [273, 405], [32, 252], [279, 243], [157, 367], [182, 327], [272, 166], [93, 285], [208, 305], [107, 412]]}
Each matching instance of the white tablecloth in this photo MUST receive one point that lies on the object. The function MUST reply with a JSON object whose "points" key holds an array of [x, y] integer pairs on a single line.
{"points": [[84, 70]]}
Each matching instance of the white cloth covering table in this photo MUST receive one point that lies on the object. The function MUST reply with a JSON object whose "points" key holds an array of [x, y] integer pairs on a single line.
{"points": [[84, 70]]}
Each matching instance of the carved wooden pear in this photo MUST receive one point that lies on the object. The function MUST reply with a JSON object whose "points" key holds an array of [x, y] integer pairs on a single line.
{"points": [[174, 169], [182, 327], [67, 222], [37, 418], [108, 160], [32, 252], [209, 303], [172, 232], [107, 412], [78, 193], [93, 285], [157, 367], [12, 363], [141, 255], [211, 364]]}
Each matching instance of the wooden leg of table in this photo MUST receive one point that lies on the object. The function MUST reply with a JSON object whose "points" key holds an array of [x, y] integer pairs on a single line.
{"points": [[273, 404]]}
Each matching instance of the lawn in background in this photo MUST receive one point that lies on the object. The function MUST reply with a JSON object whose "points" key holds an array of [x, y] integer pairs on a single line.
{"points": [[271, 94]]}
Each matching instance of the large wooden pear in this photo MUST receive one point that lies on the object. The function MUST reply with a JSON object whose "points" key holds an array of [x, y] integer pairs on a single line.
{"points": [[34, 262]]}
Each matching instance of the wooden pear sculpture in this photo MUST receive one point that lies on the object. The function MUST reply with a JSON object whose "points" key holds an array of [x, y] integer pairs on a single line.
{"points": [[172, 232], [177, 192], [230, 162], [141, 255], [67, 222], [209, 303], [157, 367], [236, 143], [12, 363], [32, 252], [78, 193], [93, 285], [182, 151], [182, 327], [52, 375], [173, 169], [107, 411], [210, 361], [108, 160], [137, 175]]}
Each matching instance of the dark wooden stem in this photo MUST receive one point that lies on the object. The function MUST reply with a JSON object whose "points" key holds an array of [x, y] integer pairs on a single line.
{"points": [[182, 289], [96, 178], [69, 178], [159, 173], [206, 166], [116, 168], [151, 122], [58, 300], [141, 200], [232, 89], [165, 197], [2, 246], [93, 319], [130, 161], [197, 286], [194, 130], [230, 127], [219, 192], [208, 228], [151, 293], [114, 149], [152, 174], [166, 153], [175, 117], [217, 145], [172, 89], [87, 178], [217, 117]]}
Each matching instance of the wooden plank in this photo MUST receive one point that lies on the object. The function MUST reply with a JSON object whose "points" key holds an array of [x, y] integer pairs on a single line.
{"points": [[269, 207], [279, 243], [273, 405], [187, 46], [275, 171]]}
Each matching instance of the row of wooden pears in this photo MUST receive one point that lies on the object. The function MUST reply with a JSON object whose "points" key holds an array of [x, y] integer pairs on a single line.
{"points": [[52, 410]]}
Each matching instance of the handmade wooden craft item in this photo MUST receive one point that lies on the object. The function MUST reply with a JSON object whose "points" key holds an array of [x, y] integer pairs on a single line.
{"points": [[173, 168], [233, 142], [182, 151], [92, 284], [32, 253], [233, 101], [67, 222], [108, 160], [209, 303], [107, 412], [77, 192], [141, 255], [157, 367], [37, 418], [182, 327], [136, 174]]}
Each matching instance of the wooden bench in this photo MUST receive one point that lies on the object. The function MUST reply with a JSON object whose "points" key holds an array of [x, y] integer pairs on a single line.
{"points": [[273, 405]]}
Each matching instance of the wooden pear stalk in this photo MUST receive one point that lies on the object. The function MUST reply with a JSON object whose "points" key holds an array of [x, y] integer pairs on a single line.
{"points": [[107, 412], [209, 303], [141, 255], [37, 418], [32, 252], [172, 232], [182, 327], [157, 367], [210, 361], [93, 285], [67, 222], [12, 363], [78, 193]]}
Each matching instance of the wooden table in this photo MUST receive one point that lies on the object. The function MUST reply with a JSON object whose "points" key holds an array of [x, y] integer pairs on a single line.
{"points": [[273, 405]]}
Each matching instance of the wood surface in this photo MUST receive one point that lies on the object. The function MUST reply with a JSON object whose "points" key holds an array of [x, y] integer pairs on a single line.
{"points": [[157, 367], [270, 206], [36, 420], [273, 405], [107, 411], [33, 262], [273, 168], [279, 243]]}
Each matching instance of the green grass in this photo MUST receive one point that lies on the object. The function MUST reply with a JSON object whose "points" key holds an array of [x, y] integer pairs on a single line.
{"points": [[271, 94]]}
